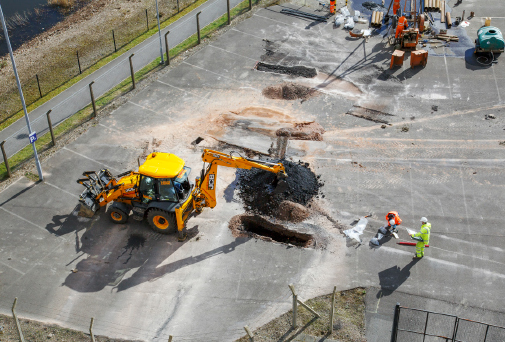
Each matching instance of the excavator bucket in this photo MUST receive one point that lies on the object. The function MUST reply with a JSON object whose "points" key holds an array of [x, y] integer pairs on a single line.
{"points": [[95, 183]]}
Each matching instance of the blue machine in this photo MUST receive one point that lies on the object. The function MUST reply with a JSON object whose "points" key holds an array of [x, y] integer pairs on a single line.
{"points": [[489, 39]]}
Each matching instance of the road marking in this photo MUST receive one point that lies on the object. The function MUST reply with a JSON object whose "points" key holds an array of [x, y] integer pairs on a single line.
{"points": [[467, 162], [215, 73], [247, 33], [136, 104], [8, 186], [12, 268], [448, 77], [496, 82], [277, 21], [82, 155], [57, 187], [22, 218], [233, 53], [183, 90]]}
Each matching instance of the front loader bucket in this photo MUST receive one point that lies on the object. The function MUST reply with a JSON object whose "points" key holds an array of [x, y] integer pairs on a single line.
{"points": [[95, 184]]}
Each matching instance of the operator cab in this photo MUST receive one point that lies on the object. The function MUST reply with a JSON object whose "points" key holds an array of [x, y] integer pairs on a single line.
{"points": [[163, 177]]}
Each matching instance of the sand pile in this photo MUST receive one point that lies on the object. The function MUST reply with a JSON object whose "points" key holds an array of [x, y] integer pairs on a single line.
{"points": [[289, 91], [294, 212], [256, 190], [303, 131]]}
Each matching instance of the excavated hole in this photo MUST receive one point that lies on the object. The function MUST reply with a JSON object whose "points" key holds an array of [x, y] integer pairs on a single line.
{"points": [[257, 225]]}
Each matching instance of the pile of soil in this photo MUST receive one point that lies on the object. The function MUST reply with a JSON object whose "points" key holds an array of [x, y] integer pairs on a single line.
{"points": [[294, 212], [299, 70], [289, 91], [255, 188], [303, 131]]}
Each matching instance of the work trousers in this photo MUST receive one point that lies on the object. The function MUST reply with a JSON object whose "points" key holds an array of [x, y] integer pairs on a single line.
{"points": [[420, 249]]}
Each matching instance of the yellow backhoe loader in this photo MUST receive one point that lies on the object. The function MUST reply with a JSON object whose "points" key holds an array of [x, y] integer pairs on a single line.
{"points": [[161, 190]]}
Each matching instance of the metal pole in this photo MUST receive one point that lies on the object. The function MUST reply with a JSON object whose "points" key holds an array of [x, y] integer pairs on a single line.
{"points": [[38, 83], [455, 332], [332, 310], [114, 39], [169, 338], [394, 331], [92, 98], [159, 32], [131, 70], [485, 336], [5, 159], [166, 48], [295, 305], [178, 6], [198, 26], [250, 5], [249, 333], [426, 326], [50, 126], [91, 329], [78, 62], [18, 326], [228, 11], [6, 34]]}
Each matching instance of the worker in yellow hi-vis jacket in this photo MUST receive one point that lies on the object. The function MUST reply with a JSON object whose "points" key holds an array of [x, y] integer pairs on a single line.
{"points": [[422, 238]]}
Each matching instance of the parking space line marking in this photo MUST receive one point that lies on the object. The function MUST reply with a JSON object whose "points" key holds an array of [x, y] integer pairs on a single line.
{"points": [[233, 53], [12, 268], [136, 104], [82, 155], [22, 218], [247, 33], [113, 129], [277, 21], [183, 90], [213, 72], [496, 82], [8, 186], [57, 187]]}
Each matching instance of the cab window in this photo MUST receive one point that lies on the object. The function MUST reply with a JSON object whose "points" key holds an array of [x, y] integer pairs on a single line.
{"points": [[167, 190], [147, 188]]}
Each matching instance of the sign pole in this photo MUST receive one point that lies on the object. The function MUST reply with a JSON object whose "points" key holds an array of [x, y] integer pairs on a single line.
{"points": [[32, 135]]}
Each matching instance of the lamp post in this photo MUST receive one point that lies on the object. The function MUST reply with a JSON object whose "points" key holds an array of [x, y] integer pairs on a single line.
{"points": [[32, 135], [159, 32]]}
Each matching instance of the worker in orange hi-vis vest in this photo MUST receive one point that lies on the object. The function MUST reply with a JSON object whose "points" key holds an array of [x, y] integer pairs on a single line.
{"points": [[333, 4], [396, 6], [402, 25], [392, 221]]}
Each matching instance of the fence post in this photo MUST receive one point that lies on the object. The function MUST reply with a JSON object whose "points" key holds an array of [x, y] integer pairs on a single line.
{"points": [[114, 39], [92, 98], [167, 62], [131, 70], [147, 21], [332, 310], [394, 332], [38, 83], [198, 26], [169, 338], [249, 333], [18, 326], [91, 330], [5, 160], [250, 5], [178, 6], [50, 126], [228, 11], [295, 305], [78, 62]]}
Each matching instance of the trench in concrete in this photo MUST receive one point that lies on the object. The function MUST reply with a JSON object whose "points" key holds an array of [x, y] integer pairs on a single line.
{"points": [[259, 226]]}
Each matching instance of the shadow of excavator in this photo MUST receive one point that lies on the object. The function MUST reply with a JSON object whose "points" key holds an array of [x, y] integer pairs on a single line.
{"points": [[122, 256]]}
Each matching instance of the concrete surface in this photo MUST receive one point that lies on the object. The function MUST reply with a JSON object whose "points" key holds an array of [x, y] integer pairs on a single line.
{"points": [[448, 166]]}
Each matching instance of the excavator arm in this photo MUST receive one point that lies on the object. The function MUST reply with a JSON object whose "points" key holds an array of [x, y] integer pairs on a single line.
{"points": [[206, 184]]}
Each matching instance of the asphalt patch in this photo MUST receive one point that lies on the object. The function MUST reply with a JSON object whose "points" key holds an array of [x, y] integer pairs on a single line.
{"points": [[256, 188], [299, 70], [289, 91]]}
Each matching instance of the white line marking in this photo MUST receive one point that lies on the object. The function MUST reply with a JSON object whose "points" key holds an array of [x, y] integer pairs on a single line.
{"points": [[233, 53], [8, 186], [447, 73], [183, 90], [277, 21], [215, 73], [136, 104], [247, 33], [65, 191], [496, 82], [12, 268], [82, 155], [22, 218]]}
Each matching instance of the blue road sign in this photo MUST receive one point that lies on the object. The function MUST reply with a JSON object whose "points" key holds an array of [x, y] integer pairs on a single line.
{"points": [[33, 137]]}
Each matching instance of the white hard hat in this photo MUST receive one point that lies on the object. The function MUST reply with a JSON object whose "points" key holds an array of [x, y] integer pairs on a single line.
{"points": [[424, 219]]}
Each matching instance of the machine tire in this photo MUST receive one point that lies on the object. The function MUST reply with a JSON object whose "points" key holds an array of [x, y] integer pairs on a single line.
{"points": [[117, 215], [161, 221]]}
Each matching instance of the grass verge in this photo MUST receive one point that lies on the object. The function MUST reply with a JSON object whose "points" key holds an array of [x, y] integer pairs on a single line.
{"points": [[44, 142], [348, 323], [7, 122]]}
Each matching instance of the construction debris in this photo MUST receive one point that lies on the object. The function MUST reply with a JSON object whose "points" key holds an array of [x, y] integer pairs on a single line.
{"points": [[298, 70]]}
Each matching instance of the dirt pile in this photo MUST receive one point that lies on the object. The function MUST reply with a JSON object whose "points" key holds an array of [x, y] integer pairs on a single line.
{"points": [[294, 212], [289, 91], [303, 131], [255, 188], [299, 70]]}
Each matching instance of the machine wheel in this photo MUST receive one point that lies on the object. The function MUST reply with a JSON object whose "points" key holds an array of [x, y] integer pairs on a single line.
{"points": [[116, 215], [161, 221]]}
